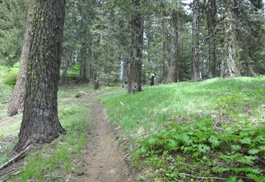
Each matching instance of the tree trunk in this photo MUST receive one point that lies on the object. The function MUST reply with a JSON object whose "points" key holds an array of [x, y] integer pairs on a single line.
{"points": [[167, 67], [86, 43], [91, 67], [64, 74], [175, 58], [125, 71], [66, 64], [17, 101], [211, 23], [231, 64], [195, 41], [84, 63], [135, 66], [40, 123]]}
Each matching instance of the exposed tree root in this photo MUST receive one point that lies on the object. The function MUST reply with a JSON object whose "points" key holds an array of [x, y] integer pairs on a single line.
{"points": [[19, 156]]}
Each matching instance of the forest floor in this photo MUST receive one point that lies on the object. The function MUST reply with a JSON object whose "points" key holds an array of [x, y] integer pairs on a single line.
{"points": [[88, 152], [103, 160]]}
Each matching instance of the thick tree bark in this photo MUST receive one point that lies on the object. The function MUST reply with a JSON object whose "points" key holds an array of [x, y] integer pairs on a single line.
{"points": [[40, 123], [231, 65], [135, 67], [195, 42], [17, 101], [211, 24]]}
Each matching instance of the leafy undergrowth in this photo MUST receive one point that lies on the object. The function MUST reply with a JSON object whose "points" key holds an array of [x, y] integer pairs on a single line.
{"points": [[207, 131]]}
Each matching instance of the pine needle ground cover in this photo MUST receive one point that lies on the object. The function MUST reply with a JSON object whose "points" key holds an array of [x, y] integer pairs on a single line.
{"points": [[207, 131]]}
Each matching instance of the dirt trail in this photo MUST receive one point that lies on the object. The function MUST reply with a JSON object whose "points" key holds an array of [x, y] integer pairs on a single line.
{"points": [[103, 161]]}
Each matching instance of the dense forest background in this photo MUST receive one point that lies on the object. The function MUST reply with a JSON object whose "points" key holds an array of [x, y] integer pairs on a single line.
{"points": [[179, 41]]}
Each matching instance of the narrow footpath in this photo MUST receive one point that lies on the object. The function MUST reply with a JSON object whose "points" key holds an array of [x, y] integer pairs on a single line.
{"points": [[103, 161]]}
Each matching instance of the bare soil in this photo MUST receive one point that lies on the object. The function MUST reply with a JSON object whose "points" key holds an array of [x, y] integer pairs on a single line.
{"points": [[103, 161]]}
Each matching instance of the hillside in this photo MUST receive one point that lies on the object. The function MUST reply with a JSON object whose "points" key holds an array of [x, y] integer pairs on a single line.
{"points": [[207, 130], [204, 131]]}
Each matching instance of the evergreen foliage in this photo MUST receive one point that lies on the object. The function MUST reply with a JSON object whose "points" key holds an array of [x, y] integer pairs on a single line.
{"points": [[13, 15]]}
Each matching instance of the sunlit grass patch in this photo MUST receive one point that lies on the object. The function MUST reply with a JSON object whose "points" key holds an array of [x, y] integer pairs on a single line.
{"points": [[185, 101], [5, 94], [10, 127], [9, 75], [232, 108], [72, 90]]}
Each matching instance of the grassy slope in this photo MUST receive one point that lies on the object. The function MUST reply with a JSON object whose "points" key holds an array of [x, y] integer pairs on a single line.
{"points": [[235, 106], [52, 162]]}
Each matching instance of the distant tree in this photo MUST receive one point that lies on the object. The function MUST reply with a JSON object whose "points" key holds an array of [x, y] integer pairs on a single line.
{"points": [[195, 41], [135, 65], [86, 13], [17, 101], [211, 13], [231, 65], [70, 38], [100, 38], [13, 16], [175, 47], [40, 123], [243, 37], [168, 67], [170, 23]]}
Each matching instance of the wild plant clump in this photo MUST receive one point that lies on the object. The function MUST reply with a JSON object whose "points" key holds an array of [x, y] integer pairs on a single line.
{"points": [[197, 149]]}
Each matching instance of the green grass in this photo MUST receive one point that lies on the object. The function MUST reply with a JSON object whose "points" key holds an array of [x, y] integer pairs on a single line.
{"points": [[9, 75], [72, 90], [184, 102], [7, 82], [216, 125], [10, 128], [5, 94], [56, 163]]}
